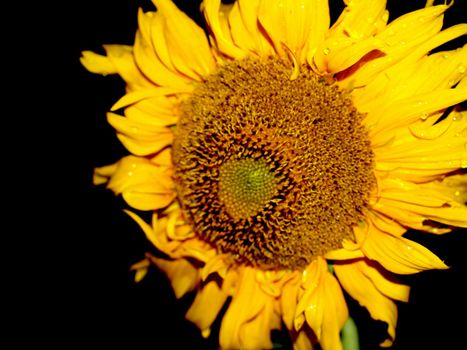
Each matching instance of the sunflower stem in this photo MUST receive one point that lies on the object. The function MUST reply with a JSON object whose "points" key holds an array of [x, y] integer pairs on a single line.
{"points": [[349, 335]]}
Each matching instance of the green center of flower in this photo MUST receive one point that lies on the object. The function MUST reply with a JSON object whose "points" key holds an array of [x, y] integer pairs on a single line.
{"points": [[271, 171], [245, 186]]}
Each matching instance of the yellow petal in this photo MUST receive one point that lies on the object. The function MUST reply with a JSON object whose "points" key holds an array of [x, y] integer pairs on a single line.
{"points": [[122, 58], [408, 110], [102, 174], [319, 25], [207, 304], [218, 265], [396, 254], [303, 339], [425, 151], [348, 252], [141, 269], [289, 299], [289, 22], [323, 304], [361, 19], [246, 32], [241, 36], [222, 38], [330, 299], [140, 95], [249, 318], [143, 185], [337, 54], [140, 138], [147, 60], [160, 110], [150, 232], [96, 63], [385, 282], [400, 38], [413, 204], [362, 289], [186, 42], [439, 39], [158, 40], [183, 276], [414, 26]]}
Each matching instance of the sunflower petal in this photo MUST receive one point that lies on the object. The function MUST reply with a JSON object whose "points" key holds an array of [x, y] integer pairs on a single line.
{"points": [[186, 42], [140, 138], [182, 275], [396, 254], [401, 37], [223, 39], [207, 304], [413, 204], [408, 110], [245, 29], [425, 151], [362, 289], [337, 54], [249, 319], [96, 63], [323, 305], [147, 60], [361, 19], [289, 22], [143, 185]]}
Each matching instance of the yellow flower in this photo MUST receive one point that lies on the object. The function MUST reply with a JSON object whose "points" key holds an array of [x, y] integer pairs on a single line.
{"points": [[283, 158]]}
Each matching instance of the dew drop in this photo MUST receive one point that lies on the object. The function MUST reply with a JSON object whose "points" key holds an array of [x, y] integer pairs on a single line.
{"points": [[326, 51], [461, 68]]}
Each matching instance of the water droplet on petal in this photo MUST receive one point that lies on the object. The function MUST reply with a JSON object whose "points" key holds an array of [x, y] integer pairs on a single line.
{"points": [[461, 68], [326, 51]]}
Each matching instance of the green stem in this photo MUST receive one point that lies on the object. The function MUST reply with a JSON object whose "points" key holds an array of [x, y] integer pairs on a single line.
{"points": [[349, 335]]}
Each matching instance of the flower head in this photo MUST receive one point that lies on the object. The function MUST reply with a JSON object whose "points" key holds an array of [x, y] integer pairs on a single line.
{"points": [[280, 145]]}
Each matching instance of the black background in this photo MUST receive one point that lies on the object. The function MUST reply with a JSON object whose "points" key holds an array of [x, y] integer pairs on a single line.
{"points": [[94, 301]]}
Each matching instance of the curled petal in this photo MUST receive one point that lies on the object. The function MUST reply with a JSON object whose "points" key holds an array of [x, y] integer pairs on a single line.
{"points": [[426, 150], [186, 42], [141, 269], [250, 318], [143, 185], [246, 33], [361, 19], [183, 276], [98, 64], [214, 17], [406, 111], [206, 306], [148, 61], [413, 204], [323, 304], [400, 39], [396, 254], [362, 289], [289, 22], [138, 137]]}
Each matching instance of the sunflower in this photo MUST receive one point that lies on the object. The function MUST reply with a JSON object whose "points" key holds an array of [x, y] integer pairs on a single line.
{"points": [[283, 158]]}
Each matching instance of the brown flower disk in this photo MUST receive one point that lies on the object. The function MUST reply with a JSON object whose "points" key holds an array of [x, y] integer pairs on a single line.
{"points": [[273, 171]]}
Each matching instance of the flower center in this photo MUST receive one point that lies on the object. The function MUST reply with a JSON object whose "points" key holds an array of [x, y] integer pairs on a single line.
{"points": [[245, 186], [272, 171]]}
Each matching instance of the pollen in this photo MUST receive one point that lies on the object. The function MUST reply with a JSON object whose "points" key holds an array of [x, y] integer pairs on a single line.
{"points": [[270, 170]]}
